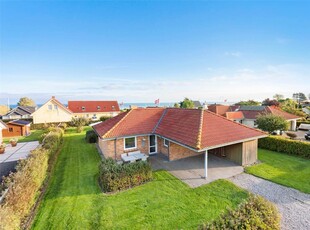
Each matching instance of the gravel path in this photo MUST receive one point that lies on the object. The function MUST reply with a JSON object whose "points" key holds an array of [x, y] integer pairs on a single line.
{"points": [[293, 205]]}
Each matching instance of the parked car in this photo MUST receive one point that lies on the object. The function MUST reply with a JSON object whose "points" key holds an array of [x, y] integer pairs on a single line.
{"points": [[307, 135]]}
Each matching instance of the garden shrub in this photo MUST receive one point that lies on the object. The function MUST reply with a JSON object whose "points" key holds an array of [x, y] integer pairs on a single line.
{"points": [[285, 145], [116, 177], [91, 136], [255, 213], [104, 118], [24, 185]]}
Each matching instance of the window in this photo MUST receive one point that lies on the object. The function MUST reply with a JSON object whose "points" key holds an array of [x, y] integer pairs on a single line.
{"points": [[113, 107], [255, 123], [83, 108], [166, 143], [56, 107], [10, 130], [98, 107], [50, 107], [130, 143]]}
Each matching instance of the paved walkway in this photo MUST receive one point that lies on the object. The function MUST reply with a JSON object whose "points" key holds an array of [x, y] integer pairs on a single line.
{"points": [[191, 170], [293, 205]]}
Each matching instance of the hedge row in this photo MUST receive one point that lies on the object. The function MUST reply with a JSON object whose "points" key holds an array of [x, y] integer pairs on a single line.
{"points": [[24, 185], [255, 213], [116, 177], [284, 145]]}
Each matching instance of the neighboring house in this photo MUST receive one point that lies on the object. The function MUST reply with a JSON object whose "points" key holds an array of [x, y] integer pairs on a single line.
{"points": [[17, 128], [197, 104], [20, 112], [94, 109], [177, 133], [247, 114], [52, 111], [2, 127]]}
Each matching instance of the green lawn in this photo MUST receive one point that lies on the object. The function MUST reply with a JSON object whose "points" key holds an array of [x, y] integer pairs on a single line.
{"points": [[74, 200], [34, 136], [291, 171]]}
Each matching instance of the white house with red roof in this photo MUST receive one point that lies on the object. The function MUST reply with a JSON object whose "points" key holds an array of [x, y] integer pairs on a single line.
{"points": [[177, 133], [94, 109]]}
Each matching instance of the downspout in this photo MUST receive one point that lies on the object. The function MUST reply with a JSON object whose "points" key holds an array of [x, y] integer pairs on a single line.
{"points": [[115, 148]]}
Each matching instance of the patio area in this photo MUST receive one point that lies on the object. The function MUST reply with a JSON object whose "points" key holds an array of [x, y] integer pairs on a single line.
{"points": [[191, 170], [9, 158]]}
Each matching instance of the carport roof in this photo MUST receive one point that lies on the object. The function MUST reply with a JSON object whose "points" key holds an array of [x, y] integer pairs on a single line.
{"points": [[194, 128]]}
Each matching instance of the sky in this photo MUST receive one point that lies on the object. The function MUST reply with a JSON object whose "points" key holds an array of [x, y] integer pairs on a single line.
{"points": [[139, 51]]}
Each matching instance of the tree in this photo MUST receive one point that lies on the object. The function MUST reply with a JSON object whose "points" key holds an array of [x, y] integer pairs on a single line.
{"points": [[291, 106], [4, 109], [79, 122], [187, 104], [278, 97], [248, 102], [268, 102], [176, 105], [270, 123], [26, 101], [299, 97]]}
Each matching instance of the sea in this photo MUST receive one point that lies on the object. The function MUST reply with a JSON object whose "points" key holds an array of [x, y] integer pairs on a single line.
{"points": [[145, 104]]}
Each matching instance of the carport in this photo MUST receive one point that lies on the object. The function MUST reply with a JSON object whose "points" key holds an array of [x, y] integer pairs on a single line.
{"points": [[191, 170]]}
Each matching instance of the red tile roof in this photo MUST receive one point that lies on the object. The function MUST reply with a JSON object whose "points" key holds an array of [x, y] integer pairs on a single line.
{"points": [[276, 111], [234, 115], [252, 114], [93, 106], [194, 128]]}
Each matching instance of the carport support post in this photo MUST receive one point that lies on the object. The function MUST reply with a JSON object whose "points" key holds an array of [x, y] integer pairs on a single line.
{"points": [[206, 164]]}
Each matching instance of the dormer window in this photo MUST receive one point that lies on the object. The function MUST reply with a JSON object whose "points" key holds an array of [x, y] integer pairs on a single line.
{"points": [[113, 107], [83, 108], [98, 107]]}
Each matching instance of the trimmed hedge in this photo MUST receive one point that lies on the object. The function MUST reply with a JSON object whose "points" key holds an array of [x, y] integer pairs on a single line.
{"points": [[284, 145], [24, 185], [91, 136], [255, 213], [116, 177]]}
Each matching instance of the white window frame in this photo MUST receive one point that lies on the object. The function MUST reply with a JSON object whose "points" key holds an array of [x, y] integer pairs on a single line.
{"points": [[165, 142], [55, 107], [130, 147], [50, 107]]}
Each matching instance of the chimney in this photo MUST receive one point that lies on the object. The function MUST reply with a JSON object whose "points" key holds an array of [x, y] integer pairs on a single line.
{"points": [[53, 97]]}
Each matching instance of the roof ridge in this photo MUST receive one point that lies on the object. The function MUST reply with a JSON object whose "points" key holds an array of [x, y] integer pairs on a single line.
{"points": [[198, 144], [235, 122], [160, 119], [114, 126]]}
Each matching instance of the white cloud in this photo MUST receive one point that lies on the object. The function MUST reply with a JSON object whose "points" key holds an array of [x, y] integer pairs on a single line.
{"points": [[235, 85]]}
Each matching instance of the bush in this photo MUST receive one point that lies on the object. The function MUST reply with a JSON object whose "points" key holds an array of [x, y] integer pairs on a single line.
{"points": [[79, 122], [270, 122], [291, 135], [116, 177], [91, 136], [24, 185], [284, 145], [104, 118], [255, 213]]}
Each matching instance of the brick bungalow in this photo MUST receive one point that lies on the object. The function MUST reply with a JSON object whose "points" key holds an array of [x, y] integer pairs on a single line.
{"points": [[177, 133]]}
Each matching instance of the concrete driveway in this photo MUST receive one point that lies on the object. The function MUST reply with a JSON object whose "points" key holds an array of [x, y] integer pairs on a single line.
{"points": [[191, 170]]}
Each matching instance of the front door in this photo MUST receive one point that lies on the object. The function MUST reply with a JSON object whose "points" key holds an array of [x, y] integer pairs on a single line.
{"points": [[153, 144]]}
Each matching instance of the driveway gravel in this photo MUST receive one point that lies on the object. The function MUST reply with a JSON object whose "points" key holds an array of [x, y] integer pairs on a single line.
{"points": [[293, 205]]}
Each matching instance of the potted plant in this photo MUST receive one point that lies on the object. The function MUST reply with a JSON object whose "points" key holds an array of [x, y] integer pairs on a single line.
{"points": [[2, 148], [13, 142]]}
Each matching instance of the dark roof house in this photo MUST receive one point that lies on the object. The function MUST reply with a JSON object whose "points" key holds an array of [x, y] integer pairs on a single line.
{"points": [[20, 112]]}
